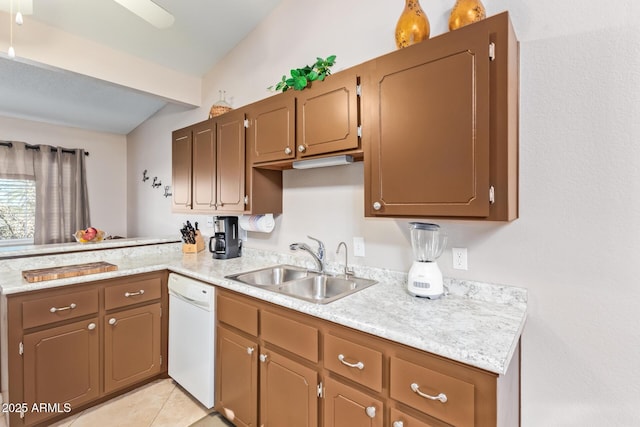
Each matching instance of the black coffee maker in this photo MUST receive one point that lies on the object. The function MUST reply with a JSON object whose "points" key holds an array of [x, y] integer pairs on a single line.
{"points": [[225, 242]]}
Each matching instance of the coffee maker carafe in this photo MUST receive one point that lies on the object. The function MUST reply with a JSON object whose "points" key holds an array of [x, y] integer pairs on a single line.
{"points": [[225, 242]]}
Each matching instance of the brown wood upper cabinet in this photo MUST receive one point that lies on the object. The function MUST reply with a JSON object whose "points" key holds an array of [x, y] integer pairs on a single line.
{"points": [[208, 161], [440, 118], [272, 124], [317, 121], [328, 115]]}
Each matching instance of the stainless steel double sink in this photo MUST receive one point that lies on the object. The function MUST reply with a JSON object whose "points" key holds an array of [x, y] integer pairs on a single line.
{"points": [[319, 288]]}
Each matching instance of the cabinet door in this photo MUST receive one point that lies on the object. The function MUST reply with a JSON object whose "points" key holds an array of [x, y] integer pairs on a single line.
{"points": [[328, 115], [347, 407], [204, 166], [132, 346], [181, 170], [428, 109], [236, 378], [401, 419], [230, 162], [61, 365], [288, 392], [272, 128]]}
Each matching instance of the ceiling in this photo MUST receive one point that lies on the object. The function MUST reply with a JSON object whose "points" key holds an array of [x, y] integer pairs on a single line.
{"points": [[203, 32]]}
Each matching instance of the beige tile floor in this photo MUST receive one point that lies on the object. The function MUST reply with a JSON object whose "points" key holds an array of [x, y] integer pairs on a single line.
{"points": [[161, 403]]}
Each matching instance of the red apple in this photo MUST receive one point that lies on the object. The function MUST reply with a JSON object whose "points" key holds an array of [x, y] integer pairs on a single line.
{"points": [[90, 233]]}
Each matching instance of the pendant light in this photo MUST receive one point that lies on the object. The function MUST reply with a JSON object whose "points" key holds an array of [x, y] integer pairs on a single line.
{"points": [[11, 52], [19, 20]]}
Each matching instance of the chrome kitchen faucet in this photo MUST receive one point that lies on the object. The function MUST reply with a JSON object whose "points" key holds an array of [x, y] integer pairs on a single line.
{"points": [[317, 257]]}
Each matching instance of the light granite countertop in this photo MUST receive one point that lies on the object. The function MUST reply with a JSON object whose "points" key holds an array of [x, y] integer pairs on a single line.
{"points": [[475, 323], [18, 251]]}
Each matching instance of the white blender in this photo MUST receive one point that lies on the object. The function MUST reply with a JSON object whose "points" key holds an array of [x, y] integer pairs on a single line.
{"points": [[425, 278]]}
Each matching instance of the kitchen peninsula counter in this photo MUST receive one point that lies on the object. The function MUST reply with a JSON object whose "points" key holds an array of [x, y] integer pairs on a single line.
{"points": [[478, 324]]}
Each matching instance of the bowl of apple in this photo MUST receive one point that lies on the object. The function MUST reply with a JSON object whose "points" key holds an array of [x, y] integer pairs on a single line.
{"points": [[90, 235]]}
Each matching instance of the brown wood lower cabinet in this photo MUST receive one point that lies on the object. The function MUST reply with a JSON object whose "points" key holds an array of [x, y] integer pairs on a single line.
{"points": [[70, 347], [288, 392], [131, 346], [236, 378], [345, 406], [341, 377], [61, 365]]}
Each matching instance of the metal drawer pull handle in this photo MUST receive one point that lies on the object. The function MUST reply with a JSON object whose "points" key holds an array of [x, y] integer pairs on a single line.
{"points": [[91, 326], [69, 307], [441, 397], [398, 424], [133, 294], [371, 411], [112, 321], [358, 365]]}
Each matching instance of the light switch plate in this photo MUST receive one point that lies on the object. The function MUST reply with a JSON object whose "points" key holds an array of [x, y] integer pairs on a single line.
{"points": [[358, 246]]}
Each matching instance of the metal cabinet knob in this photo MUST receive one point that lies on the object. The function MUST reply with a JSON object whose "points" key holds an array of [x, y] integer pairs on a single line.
{"points": [[250, 350], [398, 424], [112, 321], [371, 411], [377, 206], [246, 199], [302, 148], [263, 358], [287, 150], [91, 326]]}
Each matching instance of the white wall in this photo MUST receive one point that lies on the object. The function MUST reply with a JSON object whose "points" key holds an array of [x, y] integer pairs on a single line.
{"points": [[575, 243], [106, 165]]}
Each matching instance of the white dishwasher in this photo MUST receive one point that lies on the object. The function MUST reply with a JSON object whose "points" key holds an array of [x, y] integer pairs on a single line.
{"points": [[192, 336]]}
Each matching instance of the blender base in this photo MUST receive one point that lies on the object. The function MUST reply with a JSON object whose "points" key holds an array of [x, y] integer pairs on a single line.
{"points": [[425, 296], [425, 280]]}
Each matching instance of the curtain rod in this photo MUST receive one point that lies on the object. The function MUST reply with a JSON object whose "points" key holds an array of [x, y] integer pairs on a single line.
{"points": [[35, 147]]}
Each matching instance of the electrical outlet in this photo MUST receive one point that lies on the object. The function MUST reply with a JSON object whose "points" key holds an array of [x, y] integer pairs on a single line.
{"points": [[358, 246], [210, 221], [459, 256]]}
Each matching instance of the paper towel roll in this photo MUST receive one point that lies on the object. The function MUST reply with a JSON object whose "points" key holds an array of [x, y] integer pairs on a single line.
{"points": [[259, 223]]}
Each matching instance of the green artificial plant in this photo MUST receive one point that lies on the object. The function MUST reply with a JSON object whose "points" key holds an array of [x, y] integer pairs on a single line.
{"points": [[302, 77]]}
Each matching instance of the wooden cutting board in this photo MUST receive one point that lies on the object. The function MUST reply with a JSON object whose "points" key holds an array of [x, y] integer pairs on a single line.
{"points": [[52, 273]]}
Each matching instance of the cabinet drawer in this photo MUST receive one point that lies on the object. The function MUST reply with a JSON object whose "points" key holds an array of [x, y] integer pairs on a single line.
{"points": [[59, 306], [290, 335], [132, 292], [238, 314], [354, 361], [459, 406]]}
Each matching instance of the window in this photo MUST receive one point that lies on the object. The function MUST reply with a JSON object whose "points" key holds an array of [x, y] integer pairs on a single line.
{"points": [[17, 211]]}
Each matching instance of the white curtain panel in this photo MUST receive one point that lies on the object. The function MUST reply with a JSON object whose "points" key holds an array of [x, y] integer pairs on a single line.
{"points": [[62, 201], [16, 162]]}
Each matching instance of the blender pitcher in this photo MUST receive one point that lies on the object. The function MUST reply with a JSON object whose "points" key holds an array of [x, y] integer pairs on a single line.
{"points": [[425, 277]]}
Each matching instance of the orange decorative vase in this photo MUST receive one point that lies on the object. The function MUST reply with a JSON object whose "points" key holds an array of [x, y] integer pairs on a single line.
{"points": [[466, 12], [413, 25]]}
